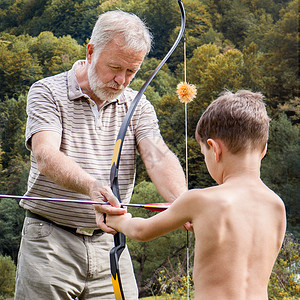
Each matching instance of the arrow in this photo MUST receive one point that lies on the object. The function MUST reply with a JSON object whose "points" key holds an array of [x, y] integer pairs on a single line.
{"points": [[150, 206]]}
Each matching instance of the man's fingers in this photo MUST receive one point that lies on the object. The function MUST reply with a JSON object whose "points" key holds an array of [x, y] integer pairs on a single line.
{"points": [[188, 227], [110, 197], [108, 209], [103, 193]]}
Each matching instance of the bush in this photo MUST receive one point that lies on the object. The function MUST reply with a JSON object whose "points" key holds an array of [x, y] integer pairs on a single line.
{"points": [[7, 277], [285, 278]]}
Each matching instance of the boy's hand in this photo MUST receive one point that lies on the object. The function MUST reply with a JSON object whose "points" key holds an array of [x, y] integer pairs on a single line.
{"points": [[102, 193], [117, 221]]}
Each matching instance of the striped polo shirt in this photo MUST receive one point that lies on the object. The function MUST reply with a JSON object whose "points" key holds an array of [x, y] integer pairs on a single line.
{"points": [[87, 136]]}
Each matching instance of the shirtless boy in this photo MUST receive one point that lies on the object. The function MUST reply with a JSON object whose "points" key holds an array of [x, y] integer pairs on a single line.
{"points": [[239, 224]]}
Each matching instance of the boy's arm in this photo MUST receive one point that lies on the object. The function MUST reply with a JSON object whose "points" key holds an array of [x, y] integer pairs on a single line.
{"points": [[180, 212]]}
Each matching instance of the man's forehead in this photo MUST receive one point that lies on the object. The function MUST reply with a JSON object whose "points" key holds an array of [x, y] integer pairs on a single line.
{"points": [[122, 56]]}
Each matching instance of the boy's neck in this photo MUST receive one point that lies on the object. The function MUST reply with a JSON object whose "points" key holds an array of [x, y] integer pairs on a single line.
{"points": [[244, 165]]}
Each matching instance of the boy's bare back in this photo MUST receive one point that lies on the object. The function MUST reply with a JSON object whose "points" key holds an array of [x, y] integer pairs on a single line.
{"points": [[239, 227]]}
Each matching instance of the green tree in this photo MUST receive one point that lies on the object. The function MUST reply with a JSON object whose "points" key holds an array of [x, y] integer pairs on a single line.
{"points": [[11, 222], [236, 21], [212, 72], [252, 69], [80, 15], [7, 277], [24, 59], [18, 68], [162, 17], [198, 22], [62, 17], [54, 54], [12, 129], [280, 167], [16, 13], [257, 30], [163, 83], [223, 71], [281, 57], [14, 156]]}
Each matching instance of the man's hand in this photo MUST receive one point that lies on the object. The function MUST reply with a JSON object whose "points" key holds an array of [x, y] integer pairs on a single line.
{"points": [[188, 227], [103, 193]]}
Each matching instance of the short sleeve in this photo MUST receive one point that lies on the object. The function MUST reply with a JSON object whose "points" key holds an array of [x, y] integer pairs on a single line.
{"points": [[42, 112]]}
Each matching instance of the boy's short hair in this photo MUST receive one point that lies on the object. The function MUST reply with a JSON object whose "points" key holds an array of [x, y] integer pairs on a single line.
{"points": [[239, 119]]}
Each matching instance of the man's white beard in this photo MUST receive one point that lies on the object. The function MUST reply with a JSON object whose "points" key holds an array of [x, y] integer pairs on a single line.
{"points": [[99, 88]]}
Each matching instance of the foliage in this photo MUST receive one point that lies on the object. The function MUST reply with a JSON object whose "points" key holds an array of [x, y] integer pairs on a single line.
{"points": [[281, 57], [54, 54], [14, 157], [62, 17], [235, 21], [163, 83], [174, 282], [198, 23], [18, 68], [280, 167], [285, 279], [24, 59], [12, 128], [11, 222], [245, 44], [7, 277]]}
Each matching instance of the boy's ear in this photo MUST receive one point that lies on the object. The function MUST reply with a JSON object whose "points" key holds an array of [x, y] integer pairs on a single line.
{"points": [[264, 151], [217, 148]]}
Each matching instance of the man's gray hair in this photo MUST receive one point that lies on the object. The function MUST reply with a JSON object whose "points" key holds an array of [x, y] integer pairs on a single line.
{"points": [[118, 23]]}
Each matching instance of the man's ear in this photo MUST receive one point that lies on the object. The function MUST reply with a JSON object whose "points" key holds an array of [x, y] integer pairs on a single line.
{"points": [[264, 151], [89, 52], [216, 147]]}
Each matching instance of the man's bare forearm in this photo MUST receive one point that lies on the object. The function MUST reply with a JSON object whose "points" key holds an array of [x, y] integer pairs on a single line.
{"points": [[163, 168], [168, 177], [62, 170]]}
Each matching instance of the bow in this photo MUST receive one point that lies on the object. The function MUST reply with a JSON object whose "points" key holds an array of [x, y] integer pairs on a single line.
{"points": [[119, 238]]}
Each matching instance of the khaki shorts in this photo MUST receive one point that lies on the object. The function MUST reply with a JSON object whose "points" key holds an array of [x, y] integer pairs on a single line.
{"points": [[55, 264]]}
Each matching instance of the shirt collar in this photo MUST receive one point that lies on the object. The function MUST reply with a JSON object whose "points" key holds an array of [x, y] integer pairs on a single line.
{"points": [[74, 90]]}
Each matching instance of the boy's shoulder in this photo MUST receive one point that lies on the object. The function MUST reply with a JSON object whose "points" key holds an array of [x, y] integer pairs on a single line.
{"points": [[234, 194], [204, 197]]}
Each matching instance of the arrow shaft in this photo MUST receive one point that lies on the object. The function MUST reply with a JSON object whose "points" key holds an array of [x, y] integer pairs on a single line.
{"points": [[153, 207]]}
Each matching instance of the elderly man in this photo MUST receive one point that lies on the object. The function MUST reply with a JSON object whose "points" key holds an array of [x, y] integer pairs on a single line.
{"points": [[73, 121]]}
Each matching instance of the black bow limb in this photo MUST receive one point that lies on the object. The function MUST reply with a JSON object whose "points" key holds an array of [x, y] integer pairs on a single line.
{"points": [[119, 238]]}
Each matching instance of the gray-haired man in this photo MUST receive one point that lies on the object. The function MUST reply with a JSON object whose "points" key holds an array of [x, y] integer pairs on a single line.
{"points": [[73, 121]]}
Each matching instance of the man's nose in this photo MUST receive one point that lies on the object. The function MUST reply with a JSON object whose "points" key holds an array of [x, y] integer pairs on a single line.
{"points": [[120, 78]]}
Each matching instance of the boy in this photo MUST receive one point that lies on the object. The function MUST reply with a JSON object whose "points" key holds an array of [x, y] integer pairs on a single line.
{"points": [[239, 225]]}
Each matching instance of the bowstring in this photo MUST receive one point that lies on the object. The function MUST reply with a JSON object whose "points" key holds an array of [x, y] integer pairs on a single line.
{"points": [[186, 173]]}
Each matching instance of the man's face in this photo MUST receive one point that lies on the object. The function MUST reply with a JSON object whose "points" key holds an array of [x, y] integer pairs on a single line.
{"points": [[114, 69]]}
